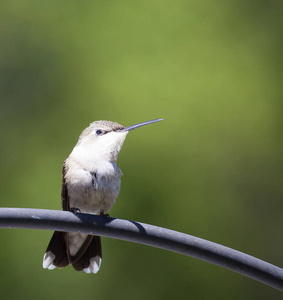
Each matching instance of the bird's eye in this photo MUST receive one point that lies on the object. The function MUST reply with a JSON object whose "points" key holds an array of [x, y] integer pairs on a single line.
{"points": [[99, 131]]}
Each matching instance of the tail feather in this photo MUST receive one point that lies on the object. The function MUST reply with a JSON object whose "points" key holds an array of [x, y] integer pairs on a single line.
{"points": [[90, 261], [77, 245], [87, 259], [56, 254]]}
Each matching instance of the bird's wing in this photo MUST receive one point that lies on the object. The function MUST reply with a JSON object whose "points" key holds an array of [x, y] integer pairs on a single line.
{"points": [[64, 191]]}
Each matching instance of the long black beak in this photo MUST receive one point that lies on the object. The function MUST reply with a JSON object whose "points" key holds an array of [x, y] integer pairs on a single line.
{"points": [[129, 128]]}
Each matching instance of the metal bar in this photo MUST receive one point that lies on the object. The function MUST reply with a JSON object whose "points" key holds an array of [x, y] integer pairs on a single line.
{"points": [[144, 234]]}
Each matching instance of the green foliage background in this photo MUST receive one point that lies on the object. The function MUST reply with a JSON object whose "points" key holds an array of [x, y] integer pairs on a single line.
{"points": [[212, 168]]}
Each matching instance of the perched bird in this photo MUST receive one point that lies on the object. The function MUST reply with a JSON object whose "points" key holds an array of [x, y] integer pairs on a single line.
{"points": [[91, 183]]}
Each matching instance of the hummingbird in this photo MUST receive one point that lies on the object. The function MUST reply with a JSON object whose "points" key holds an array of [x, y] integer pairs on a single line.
{"points": [[90, 184]]}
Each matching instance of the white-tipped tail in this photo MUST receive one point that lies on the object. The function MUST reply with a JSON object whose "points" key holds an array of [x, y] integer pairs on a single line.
{"points": [[94, 265], [48, 259]]}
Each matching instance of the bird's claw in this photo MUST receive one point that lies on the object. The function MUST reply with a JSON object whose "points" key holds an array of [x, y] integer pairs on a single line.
{"points": [[75, 210], [105, 216]]}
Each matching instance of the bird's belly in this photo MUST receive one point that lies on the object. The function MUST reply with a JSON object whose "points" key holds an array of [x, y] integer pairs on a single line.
{"points": [[93, 202], [96, 194]]}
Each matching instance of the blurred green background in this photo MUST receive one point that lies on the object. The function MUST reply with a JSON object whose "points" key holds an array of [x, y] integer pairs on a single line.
{"points": [[212, 168]]}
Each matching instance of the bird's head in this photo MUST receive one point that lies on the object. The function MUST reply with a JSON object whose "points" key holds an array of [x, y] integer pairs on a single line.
{"points": [[103, 140]]}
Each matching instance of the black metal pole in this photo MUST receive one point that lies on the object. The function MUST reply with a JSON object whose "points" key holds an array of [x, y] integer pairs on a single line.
{"points": [[144, 234]]}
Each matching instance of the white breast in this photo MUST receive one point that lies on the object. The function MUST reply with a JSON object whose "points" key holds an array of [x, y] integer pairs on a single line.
{"points": [[92, 187]]}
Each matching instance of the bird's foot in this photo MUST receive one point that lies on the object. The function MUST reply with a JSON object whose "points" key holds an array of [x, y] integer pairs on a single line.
{"points": [[75, 210], [105, 216]]}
